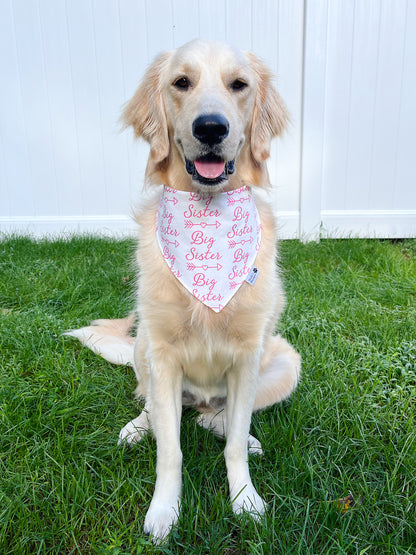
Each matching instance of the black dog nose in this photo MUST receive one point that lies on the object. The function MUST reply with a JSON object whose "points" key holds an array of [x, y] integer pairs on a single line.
{"points": [[210, 129]]}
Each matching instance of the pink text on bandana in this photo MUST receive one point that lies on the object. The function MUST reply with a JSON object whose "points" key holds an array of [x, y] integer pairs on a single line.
{"points": [[210, 242]]}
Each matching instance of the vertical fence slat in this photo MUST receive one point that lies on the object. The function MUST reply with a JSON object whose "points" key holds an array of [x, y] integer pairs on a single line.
{"points": [[405, 179], [315, 56]]}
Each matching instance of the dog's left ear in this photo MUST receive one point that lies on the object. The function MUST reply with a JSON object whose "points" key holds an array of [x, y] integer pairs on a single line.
{"points": [[270, 115]]}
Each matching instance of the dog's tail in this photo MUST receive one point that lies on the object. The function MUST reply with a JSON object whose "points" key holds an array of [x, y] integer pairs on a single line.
{"points": [[110, 339]]}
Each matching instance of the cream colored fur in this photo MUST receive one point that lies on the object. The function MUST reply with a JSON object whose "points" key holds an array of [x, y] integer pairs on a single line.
{"points": [[226, 364]]}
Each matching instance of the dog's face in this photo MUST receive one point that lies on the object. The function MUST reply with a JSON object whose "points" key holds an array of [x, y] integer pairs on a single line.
{"points": [[209, 96], [209, 113]]}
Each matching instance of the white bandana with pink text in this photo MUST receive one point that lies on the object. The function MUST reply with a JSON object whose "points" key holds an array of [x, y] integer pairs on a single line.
{"points": [[210, 242]]}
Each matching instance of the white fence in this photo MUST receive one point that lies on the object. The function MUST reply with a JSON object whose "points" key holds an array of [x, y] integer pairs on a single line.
{"points": [[347, 70]]}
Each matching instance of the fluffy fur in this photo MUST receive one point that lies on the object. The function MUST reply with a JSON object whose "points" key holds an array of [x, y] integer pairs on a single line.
{"points": [[225, 364]]}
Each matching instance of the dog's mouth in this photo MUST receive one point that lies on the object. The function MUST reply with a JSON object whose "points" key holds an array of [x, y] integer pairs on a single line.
{"points": [[209, 169]]}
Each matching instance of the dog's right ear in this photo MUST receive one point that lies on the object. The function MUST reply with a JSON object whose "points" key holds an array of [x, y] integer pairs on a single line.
{"points": [[145, 112]]}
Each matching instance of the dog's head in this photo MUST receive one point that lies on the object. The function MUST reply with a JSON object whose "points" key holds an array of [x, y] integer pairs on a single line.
{"points": [[209, 113]]}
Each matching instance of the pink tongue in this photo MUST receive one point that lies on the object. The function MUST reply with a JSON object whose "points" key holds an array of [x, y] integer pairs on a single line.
{"points": [[209, 169]]}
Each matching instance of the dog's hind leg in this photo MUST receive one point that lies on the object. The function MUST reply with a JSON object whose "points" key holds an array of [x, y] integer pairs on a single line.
{"points": [[279, 373], [216, 423], [135, 430]]}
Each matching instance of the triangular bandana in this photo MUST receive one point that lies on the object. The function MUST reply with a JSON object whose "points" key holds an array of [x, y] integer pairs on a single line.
{"points": [[210, 242]]}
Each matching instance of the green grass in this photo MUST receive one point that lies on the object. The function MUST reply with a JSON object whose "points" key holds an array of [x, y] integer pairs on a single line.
{"points": [[65, 487]]}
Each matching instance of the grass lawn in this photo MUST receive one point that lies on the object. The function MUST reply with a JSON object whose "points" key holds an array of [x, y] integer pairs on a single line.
{"points": [[65, 486]]}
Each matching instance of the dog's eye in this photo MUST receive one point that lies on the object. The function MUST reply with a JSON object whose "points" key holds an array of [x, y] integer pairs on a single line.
{"points": [[238, 85], [182, 83]]}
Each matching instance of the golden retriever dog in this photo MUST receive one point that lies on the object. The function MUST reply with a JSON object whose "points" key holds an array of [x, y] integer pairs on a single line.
{"points": [[209, 113]]}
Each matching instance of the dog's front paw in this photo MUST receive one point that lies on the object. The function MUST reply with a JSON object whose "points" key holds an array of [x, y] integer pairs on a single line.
{"points": [[249, 501], [160, 519]]}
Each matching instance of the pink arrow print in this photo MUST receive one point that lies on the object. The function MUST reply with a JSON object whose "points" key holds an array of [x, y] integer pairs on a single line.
{"points": [[217, 308], [234, 284], [232, 201], [205, 267], [232, 244], [175, 242], [174, 200], [189, 223]]}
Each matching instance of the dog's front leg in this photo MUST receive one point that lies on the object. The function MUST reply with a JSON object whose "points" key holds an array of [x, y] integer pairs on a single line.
{"points": [[165, 397], [241, 391]]}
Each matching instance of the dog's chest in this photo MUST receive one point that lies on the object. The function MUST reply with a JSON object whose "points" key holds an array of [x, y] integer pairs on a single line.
{"points": [[205, 356]]}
